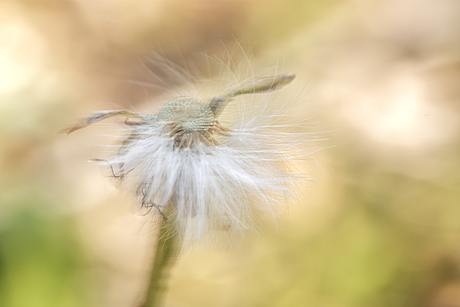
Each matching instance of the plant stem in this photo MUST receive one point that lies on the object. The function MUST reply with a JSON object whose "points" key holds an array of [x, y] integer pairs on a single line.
{"points": [[166, 252]]}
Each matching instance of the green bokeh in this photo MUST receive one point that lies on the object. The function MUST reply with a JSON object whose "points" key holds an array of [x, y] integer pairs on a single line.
{"points": [[41, 260]]}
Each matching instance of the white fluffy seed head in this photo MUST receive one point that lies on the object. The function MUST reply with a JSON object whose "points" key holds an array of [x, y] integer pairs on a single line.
{"points": [[217, 175]]}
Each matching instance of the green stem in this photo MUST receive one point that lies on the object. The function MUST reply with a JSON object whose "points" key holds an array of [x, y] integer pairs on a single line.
{"points": [[166, 252]]}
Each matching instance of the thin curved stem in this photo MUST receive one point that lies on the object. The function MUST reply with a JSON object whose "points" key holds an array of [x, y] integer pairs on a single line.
{"points": [[166, 252]]}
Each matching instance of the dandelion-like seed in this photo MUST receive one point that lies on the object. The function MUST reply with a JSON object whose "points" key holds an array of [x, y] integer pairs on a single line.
{"points": [[200, 175]]}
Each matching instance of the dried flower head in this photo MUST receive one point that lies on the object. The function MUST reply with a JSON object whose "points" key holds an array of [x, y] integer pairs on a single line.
{"points": [[209, 175]]}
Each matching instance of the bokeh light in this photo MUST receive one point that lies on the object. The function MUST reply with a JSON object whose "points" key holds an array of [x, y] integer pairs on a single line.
{"points": [[380, 226]]}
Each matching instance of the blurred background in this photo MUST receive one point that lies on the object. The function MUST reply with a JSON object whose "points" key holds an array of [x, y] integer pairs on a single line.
{"points": [[381, 226]]}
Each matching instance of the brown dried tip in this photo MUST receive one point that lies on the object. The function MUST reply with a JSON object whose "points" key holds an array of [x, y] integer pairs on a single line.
{"points": [[103, 115], [261, 85]]}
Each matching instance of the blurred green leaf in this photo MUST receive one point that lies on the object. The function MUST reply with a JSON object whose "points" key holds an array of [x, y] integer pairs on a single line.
{"points": [[41, 263]]}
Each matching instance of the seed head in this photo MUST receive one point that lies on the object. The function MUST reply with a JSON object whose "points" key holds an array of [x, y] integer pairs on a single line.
{"points": [[209, 175]]}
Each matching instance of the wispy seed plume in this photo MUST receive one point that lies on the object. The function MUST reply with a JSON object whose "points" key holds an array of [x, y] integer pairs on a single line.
{"points": [[209, 165]]}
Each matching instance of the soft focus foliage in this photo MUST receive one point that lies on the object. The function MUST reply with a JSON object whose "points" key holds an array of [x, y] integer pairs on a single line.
{"points": [[381, 229]]}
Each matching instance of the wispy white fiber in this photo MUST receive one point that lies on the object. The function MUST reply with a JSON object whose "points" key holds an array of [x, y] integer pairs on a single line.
{"points": [[218, 173]]}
